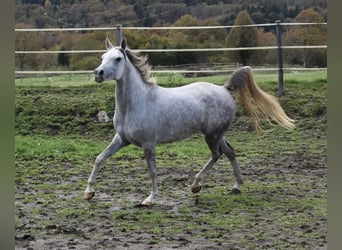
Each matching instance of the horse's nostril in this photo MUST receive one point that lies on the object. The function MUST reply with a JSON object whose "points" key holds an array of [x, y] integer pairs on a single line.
{"points": [[98, 72]]}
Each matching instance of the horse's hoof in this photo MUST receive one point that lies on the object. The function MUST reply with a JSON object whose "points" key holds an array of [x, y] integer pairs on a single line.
{"points": [[88, 195], [196, 189], [146, 203], [236, 191]]}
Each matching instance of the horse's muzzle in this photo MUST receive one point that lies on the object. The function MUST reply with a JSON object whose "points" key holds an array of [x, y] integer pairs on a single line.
{"points": [[99, 75], [99, 79]]}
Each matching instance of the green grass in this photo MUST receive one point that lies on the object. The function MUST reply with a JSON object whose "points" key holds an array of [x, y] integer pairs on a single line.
{"points": [[59, 148], [63, 80], [173, 79]]}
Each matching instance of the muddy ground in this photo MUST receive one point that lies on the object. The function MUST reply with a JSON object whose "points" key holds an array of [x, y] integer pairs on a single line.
{"points": [[40, 225]]}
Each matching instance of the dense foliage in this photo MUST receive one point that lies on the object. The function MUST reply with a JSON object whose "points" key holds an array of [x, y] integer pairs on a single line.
{"points": [[56, 13], [81, 13], [243, 37]]}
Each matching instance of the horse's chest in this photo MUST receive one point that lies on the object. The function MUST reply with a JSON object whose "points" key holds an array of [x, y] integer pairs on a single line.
{"points": [[129, 128]]}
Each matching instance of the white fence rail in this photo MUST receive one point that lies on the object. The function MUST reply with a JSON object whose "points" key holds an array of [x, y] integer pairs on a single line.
{"points": [[174, 50], [161, 28]]}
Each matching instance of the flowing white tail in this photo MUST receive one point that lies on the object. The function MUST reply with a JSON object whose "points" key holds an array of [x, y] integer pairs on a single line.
{"points": [[258, 104]]}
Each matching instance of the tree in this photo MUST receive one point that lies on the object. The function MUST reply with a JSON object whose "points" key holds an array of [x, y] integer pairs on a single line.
{"points": [[143, 15], [267, 39], [187, 20], [243, 37], [185, 39], [26, 41], [85, 42], [63, 58], [307, 35]]}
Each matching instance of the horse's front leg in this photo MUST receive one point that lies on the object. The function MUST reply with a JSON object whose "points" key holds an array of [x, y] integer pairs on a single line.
{"points": [[116, 144], [150, 155]]}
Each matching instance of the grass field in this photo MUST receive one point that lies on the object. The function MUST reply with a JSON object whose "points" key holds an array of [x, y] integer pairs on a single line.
{"points": [[283, 203], [165, 79]]}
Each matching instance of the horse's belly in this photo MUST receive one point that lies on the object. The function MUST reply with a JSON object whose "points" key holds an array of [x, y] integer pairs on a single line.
{"points": [[178, 131], [179, 122]]}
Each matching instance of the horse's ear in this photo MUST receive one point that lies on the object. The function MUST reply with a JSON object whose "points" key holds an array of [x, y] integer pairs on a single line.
{"points": [[123, 44], [109, 45]]}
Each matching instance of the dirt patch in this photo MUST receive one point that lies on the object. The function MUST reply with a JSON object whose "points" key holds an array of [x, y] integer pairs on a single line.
{"points": [[50, 213]]}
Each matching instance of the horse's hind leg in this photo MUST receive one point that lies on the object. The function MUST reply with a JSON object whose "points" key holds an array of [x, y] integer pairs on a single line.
{"points": [[215, 155], [116, 144], [228, 150]]}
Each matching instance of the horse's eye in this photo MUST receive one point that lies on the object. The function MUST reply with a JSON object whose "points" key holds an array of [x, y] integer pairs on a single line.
{"points": [[118, 59]]}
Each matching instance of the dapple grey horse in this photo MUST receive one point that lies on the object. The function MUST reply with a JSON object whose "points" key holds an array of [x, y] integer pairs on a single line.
{"points": [[147, 114]]}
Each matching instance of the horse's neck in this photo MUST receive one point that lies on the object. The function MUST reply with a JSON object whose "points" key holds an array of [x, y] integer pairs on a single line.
{"points": [[130, 90]]}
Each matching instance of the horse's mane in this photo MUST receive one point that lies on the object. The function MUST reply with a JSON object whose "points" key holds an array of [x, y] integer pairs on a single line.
{"points": [[141, 64]]}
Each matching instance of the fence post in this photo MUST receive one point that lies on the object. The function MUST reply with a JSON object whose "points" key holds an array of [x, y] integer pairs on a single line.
{"points": [[280, 60], [118, 34]]}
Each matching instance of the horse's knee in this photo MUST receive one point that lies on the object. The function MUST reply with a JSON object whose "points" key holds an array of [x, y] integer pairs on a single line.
{"points": [[98, 160]]}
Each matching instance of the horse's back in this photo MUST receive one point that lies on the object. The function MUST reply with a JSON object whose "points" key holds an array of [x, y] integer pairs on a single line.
{"points": [[208, 96]]}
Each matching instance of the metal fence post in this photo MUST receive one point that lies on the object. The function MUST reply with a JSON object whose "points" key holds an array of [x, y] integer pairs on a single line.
{"points": [[280, 60], [118, 34]]}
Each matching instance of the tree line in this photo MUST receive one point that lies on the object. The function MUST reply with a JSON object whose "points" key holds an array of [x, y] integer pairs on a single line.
{"points": [[174, 39], [95, 13]]}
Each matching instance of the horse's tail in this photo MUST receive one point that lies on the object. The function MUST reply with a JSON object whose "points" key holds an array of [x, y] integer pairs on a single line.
{"points": [[258, 104]]}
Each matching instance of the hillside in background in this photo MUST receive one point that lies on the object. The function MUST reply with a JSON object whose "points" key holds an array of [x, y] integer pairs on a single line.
{"points": [[96, 13], [70, 13]]}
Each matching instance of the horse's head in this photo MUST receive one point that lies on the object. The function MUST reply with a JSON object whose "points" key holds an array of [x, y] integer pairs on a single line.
{"points": [[113, 62]]}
